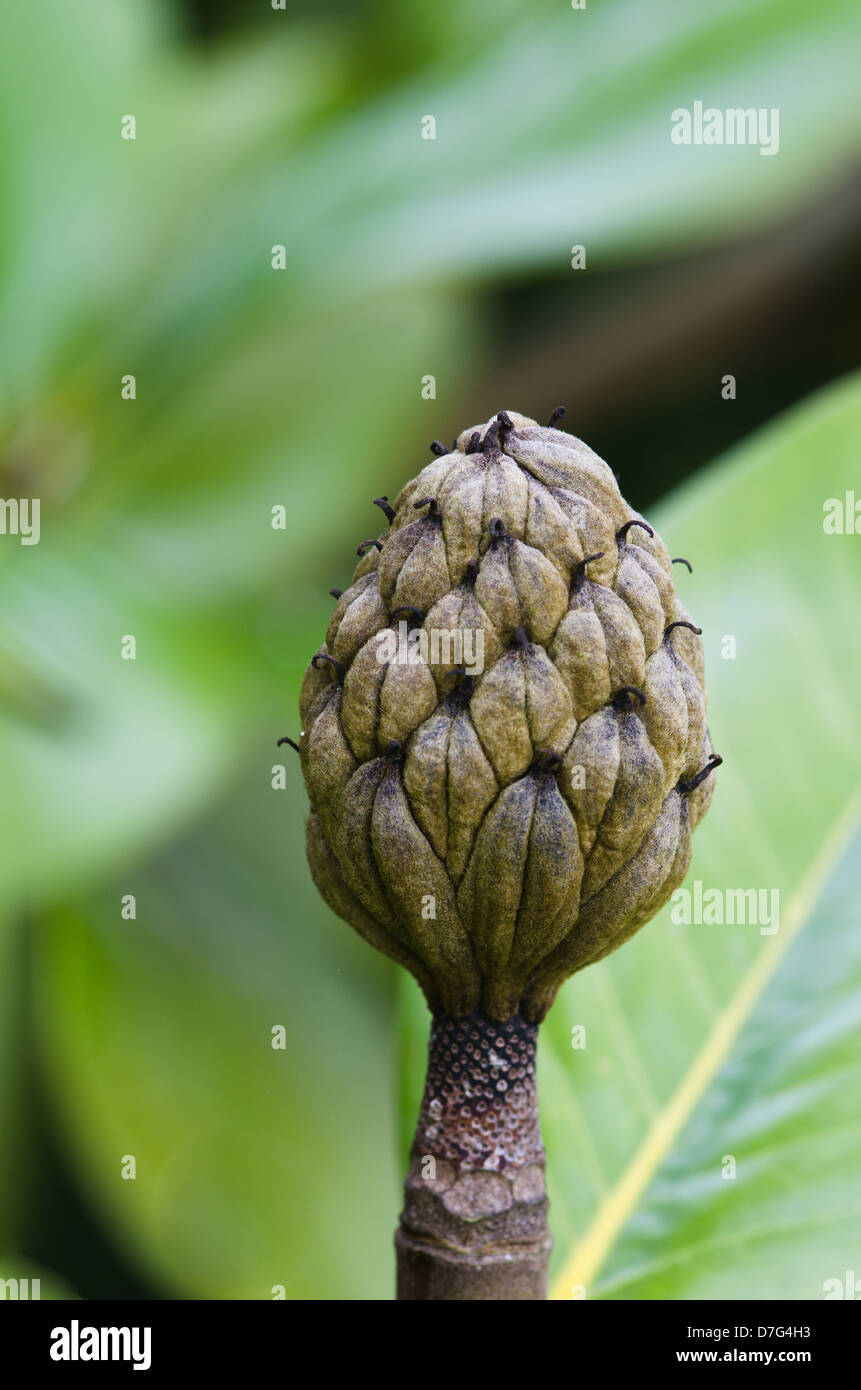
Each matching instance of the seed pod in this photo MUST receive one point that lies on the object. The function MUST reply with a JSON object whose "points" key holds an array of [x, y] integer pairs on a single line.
{"points": [[522, 549], [505, 748]]}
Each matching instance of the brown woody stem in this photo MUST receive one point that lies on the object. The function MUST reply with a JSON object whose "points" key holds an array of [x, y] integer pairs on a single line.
{"points": [[474, 1223]]}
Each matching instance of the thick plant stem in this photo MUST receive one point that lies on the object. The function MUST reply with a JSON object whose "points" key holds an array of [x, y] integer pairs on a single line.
{"points": [[474, 1223]]}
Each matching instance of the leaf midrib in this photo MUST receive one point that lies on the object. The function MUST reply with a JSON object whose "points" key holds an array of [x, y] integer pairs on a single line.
{"points": [[588, 1256]]}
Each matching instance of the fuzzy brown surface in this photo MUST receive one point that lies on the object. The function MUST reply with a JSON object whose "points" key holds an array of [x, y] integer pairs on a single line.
{"points": [[542, 806]]}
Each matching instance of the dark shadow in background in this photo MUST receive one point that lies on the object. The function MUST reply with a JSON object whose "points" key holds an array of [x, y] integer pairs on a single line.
{"points": [[638, 355]]}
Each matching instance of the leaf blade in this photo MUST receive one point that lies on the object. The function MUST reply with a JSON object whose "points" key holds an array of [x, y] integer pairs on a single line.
{"points": [[587, 1258]]}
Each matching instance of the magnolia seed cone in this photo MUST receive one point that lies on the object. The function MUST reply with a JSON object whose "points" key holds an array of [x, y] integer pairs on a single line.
{"points": [[497, 824]]}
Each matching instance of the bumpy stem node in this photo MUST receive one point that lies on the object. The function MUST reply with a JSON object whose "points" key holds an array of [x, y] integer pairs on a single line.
{"points": [[474, 1223]]}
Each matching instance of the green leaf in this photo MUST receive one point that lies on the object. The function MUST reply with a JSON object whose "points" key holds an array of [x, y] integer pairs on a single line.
{"points": [[309, 416], [771, 1091], [553, 128], [67, 178], [102, 755], [14, 1157], [256, 1166], [705, 1041], [559, 133]]}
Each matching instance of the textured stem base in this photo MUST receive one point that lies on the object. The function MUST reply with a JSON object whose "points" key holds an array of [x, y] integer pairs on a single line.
{"points": [[474, 1223]]}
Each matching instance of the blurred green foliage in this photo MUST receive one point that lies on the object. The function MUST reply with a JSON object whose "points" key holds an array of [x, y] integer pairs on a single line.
{"points": [[255, 388]]}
